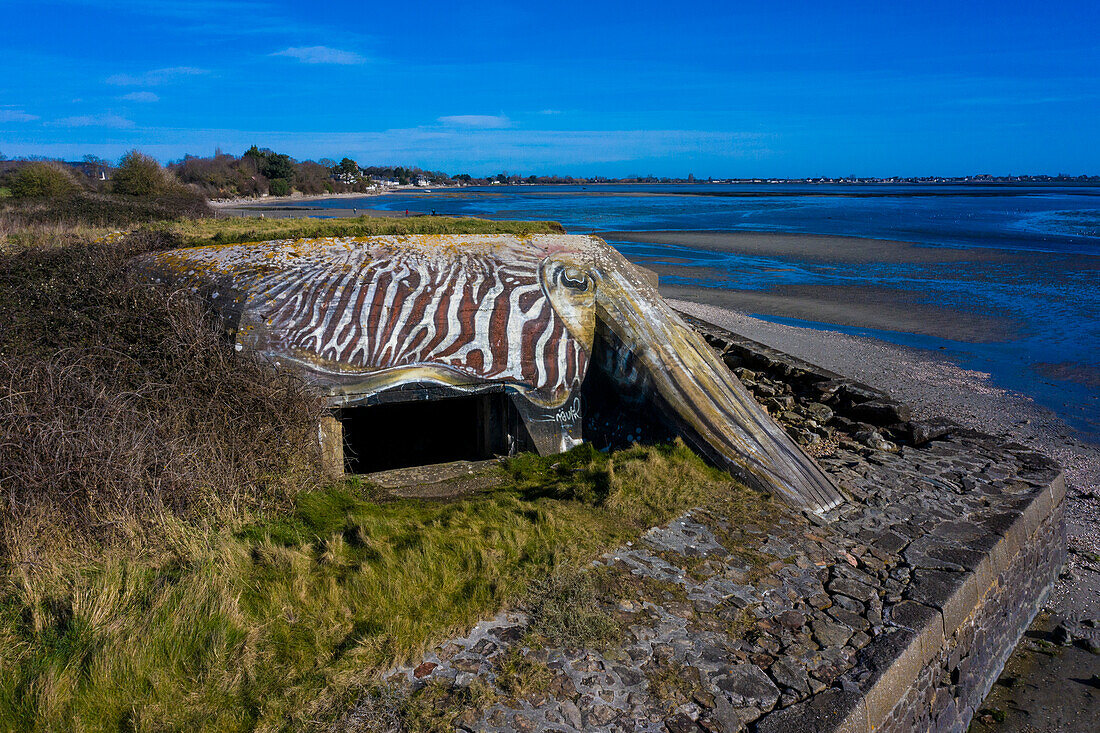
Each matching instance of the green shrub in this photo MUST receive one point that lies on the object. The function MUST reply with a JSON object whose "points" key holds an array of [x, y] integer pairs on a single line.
{"points": [[39, 180], [140, 175], [279, 187]]}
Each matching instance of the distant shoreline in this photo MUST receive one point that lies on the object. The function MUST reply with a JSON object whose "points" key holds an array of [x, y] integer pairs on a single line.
{"points": [[303, 198], [284, 207], [780, 189]]}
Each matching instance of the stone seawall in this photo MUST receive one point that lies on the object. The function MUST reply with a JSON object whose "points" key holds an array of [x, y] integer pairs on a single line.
{"points": [[950, 637], [893, 612], [952, 684]]}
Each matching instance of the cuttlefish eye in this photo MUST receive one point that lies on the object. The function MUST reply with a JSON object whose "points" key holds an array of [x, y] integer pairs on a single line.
{"points": [[574, 278]]}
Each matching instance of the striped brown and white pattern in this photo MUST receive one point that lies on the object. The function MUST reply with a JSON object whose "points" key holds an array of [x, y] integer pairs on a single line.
{"points": [[342, 306]]}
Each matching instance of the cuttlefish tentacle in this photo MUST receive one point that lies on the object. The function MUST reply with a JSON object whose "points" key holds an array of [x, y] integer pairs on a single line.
{"points": [[715, 412]]}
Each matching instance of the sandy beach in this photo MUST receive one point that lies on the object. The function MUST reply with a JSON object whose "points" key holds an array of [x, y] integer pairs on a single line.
{"points": [[287, 207]]}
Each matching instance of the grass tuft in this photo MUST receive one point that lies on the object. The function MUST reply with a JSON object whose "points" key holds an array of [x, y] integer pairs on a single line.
{"points": [[519, 676], [197, 232], [564, 609]]}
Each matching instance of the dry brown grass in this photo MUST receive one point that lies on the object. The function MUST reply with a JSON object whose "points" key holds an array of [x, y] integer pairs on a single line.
{"points": [[119, 398], [16, 234], [96, 209]]}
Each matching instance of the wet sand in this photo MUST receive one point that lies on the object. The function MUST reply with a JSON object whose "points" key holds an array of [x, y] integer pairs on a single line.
{"points": [[883, 308], [859, 307], [814, 247]]}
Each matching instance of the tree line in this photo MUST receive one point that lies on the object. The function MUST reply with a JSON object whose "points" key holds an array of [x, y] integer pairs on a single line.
{"points": [[256, 172]]}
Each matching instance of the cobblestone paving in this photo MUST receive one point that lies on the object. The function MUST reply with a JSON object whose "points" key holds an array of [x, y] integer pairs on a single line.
{"points": [[730, 612]]}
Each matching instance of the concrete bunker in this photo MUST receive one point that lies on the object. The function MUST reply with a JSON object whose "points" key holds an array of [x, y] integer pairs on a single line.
{"points": [[505, 343]]}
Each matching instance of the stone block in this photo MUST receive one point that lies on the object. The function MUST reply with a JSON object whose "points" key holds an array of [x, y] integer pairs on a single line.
{"points": [[881, 412], [1011, 527], [924, 431], [894, 661], [330, 436], [854, 393], [1058, 489], [1001, 556], [832, 711], [925, 621], [955, 594], [1036, 511]]}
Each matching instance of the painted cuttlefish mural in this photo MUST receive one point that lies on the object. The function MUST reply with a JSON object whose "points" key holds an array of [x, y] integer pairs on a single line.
{"points": [[374, 318]]}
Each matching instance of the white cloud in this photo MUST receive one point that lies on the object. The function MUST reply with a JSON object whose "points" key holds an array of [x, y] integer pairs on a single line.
{"points": [[156, 77], [322, 55], [16, 115], [140, 97], [104, 120], [486, 122], [550, 112]]}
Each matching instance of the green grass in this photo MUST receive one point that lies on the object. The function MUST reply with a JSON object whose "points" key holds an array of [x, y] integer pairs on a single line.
{"points": [[564, 610], [276, 622], [519, 676], [240, 229]]}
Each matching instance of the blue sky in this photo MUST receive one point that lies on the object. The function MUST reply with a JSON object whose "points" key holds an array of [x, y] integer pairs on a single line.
{"points": [[665, 88]]}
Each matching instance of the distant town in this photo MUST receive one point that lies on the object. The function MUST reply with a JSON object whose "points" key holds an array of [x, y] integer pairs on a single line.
{"points": [[261, 172]]}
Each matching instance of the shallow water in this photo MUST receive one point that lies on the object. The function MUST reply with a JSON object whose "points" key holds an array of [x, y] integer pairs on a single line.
{"points": [[1044, 293]]}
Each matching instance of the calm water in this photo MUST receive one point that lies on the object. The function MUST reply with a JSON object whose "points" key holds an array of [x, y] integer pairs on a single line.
{"points": [[1044, 295]]}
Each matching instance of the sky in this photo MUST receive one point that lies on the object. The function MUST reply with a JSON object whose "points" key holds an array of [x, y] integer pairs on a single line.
{"points": [[722, 89]]}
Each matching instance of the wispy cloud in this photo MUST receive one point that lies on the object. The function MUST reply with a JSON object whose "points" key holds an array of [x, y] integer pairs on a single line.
{"points": [[550, 112], [140, 97], [102, 120], [322, 55], [156, 77], [485, 122], [16, 115]]}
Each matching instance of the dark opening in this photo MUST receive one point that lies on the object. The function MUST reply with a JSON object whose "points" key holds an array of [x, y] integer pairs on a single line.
{"points": [[619, 411], [423, 432]]}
